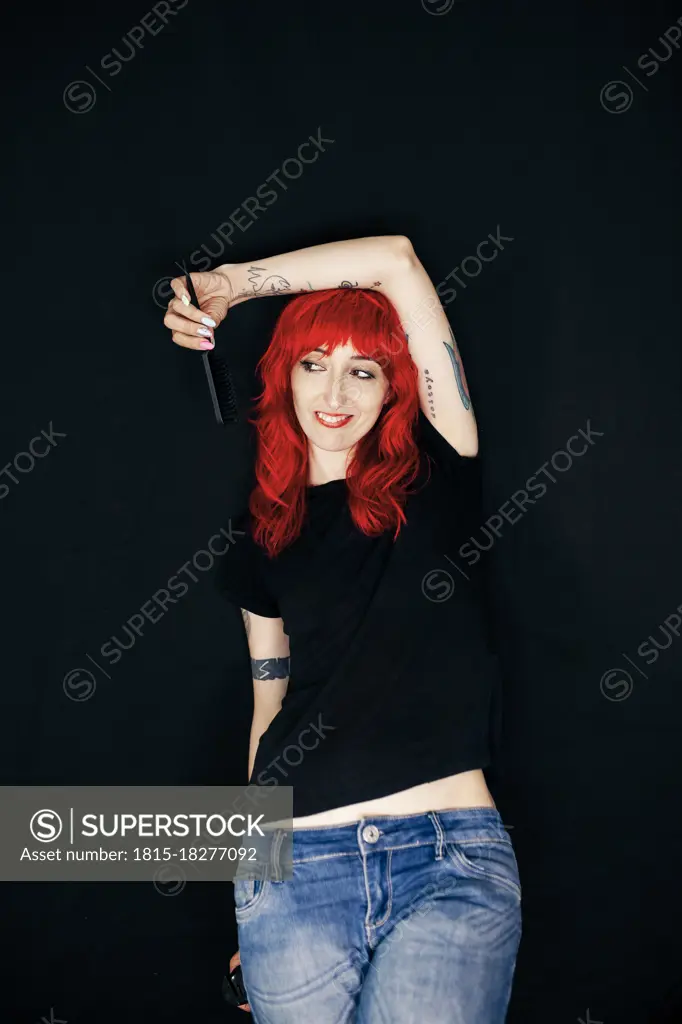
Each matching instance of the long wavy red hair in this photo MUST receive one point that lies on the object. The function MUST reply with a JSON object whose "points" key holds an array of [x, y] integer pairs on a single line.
{"points": [[385, 461]]}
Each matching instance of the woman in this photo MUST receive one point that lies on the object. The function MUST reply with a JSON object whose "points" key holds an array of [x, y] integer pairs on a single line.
{"points": [[375, 688]]}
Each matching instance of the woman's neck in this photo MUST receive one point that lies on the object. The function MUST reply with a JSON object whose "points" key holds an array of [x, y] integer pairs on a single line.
{"points": [[324, 466]]}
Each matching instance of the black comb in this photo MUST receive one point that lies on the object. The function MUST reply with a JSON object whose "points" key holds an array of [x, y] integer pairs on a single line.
{"points": [[219, 380]]}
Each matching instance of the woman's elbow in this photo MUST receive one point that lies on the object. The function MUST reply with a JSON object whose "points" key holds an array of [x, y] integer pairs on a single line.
{"points": [[403, 248]]}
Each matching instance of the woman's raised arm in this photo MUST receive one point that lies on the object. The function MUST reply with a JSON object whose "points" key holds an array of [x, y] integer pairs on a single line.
{"points": [[385, 262], [354, 263], [389, 264]]}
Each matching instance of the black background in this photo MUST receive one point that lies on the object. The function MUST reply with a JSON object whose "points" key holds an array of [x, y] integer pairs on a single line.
{"points": [[446, 126]]}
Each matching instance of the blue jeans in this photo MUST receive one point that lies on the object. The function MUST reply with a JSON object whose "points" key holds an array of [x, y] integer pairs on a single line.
{"points": [[388, 920]]}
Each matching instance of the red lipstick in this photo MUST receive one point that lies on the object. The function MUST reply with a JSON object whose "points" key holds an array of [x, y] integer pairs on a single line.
{"points": [[340, 422]]}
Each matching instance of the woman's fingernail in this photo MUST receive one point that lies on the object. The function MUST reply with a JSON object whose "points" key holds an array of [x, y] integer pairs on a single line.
{"points": [[207, 320], [205, 331], [185, 301], [206, 344]]}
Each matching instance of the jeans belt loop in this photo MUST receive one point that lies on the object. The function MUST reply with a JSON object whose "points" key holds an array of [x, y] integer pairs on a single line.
{"points": [[275, 847], [440, 835]]}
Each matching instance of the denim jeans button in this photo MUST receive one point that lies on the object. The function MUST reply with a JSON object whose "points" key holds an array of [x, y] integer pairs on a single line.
{"points": [[370, 833]]}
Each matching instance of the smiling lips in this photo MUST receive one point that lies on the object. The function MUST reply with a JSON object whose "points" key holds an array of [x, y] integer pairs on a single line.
{"points": [[333, 421]]}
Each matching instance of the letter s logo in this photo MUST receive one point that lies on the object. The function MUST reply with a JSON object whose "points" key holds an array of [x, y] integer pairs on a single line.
{"points": [[45, 825]]}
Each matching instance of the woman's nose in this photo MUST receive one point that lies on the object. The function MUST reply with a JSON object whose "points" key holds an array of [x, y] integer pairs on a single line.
{"points": [[342, 392]]}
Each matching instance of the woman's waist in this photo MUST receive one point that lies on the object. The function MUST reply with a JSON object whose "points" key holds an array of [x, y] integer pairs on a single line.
{"points": [[278, 850], [461, 790]]}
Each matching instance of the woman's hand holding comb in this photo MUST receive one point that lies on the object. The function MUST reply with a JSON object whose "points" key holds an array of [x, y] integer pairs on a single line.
{"points": [[192, 327]]}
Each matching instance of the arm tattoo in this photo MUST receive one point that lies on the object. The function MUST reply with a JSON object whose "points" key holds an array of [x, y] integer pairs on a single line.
{"points": [[263, 282], [268, 283], [270, 668], [456, 360], [247, 621], [429, 393]]}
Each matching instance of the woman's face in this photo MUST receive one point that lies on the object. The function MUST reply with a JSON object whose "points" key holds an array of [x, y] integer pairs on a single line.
{"points": [[351, 390]]}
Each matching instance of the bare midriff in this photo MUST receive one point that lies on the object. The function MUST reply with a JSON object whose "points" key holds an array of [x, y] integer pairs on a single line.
{"points": [[466, 789]]}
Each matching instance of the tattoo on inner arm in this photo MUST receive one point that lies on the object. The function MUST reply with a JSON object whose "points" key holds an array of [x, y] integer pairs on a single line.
{"points": [[247, 621], [270, 668], [261, 281], [429, 393], [457, 366]]}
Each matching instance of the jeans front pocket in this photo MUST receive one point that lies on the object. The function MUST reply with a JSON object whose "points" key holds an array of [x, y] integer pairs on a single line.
{"points": [[486, 857], [249, 894]]}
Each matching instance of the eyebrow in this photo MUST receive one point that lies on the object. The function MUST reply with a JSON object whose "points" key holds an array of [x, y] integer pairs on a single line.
{"points": [[368, 358]]}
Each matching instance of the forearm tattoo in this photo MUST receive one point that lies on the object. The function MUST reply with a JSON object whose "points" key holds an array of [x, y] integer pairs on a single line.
{"points": [[354, 284], [460, 377], [270, 668], [261, 281]]}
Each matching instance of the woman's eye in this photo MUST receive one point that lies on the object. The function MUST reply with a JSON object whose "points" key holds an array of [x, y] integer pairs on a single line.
{"points": [[311, 367]]}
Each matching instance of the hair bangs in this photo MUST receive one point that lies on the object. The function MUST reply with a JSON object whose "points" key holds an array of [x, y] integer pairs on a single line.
{"points": [[341, 316]]}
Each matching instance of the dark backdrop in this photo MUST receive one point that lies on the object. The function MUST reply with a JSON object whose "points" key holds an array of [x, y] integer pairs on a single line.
{"points": [[533, 120]]}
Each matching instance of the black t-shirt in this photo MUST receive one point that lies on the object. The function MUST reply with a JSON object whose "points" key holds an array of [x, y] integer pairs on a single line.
{"points": [[393, 680]]}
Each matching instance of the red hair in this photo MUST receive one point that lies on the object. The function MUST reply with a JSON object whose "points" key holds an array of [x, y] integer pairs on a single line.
{"points": [[385, 461]]}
